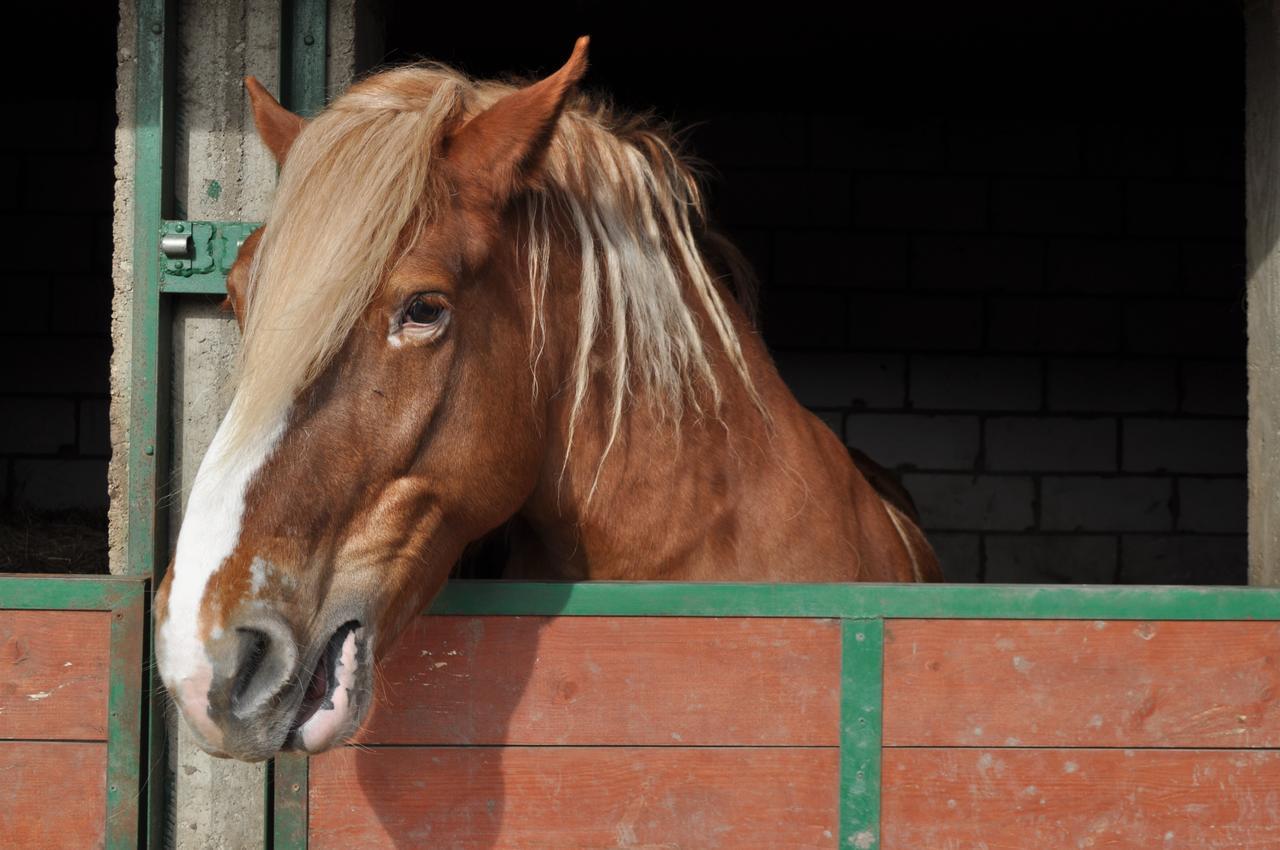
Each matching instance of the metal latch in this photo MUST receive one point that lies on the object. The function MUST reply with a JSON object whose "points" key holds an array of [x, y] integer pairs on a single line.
{"points": [[177, 246]]}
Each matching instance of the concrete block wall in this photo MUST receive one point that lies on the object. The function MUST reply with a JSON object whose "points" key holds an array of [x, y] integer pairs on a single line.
{"points": [[55, 208], [1038, 323]]}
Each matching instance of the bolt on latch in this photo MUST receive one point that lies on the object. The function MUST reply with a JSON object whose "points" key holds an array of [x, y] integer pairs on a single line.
{"points": [[177, 246]]}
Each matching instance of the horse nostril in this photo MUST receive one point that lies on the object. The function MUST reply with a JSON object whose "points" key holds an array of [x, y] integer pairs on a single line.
{"points": [[253, 660], [254, 645]]}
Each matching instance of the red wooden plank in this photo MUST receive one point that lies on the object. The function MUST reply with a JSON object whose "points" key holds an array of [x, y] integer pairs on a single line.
{"points": [[53, 674], [1009, 799], [1081, 683], [52, 795], [556, 798], [597, 680]]}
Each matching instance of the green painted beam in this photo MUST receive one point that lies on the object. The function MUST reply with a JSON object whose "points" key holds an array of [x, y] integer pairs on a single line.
{"points": [[69, 593], [149, 345], [126, 686], [303, 77], [861, 685], [289, 825], [304, 39], [955, 601]]}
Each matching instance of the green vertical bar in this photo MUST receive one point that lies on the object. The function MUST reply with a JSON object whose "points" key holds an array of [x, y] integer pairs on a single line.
{"points": [[862, 671], [124, 721], [304, 32], [147, 542], [146, 446], [289, 827], [303, 55]]}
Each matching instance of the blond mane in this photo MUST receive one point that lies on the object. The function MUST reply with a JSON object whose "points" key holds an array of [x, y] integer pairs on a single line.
{"points": [[366, 168]]}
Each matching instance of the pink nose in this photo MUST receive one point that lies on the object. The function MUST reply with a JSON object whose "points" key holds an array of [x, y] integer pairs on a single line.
{"points": [[193, 698], [230, 700]]}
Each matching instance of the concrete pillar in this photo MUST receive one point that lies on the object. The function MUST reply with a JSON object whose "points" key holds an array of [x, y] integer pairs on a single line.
{"points": [[1262, 238], [122, 284], [221, 172]]}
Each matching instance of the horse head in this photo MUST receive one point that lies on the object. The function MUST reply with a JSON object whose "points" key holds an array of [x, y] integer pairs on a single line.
{"points": [[475, 304], [386, 412]]}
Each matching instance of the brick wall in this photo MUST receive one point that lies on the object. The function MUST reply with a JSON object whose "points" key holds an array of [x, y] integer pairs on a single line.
{"points": [[1038, 324], [55, 209]]}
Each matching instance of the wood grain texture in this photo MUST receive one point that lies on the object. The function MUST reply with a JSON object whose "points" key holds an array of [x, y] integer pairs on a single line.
{"points": [[53, 674], [52, 795], [978, 799], [1081, 683], [566, 798], [597, 680]]}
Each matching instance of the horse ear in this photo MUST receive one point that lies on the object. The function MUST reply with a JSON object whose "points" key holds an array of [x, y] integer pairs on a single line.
{"points": [[500, 150], [277, 126]]}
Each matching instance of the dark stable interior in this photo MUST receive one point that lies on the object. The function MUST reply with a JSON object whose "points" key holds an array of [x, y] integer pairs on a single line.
{"points": [[1001, 246], [1001, 249]]}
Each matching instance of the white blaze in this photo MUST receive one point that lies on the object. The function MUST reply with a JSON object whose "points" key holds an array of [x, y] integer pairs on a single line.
{"points": [[210, 530]]}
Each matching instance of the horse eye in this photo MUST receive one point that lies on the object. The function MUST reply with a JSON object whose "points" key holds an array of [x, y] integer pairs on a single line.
{"points": [[423, 312]]}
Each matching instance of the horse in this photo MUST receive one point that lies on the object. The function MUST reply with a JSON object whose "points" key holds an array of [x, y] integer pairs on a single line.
{"points": [[480, 305]]}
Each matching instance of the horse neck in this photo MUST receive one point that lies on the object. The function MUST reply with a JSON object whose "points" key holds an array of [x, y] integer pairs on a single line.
{"points": [[730, 494]]}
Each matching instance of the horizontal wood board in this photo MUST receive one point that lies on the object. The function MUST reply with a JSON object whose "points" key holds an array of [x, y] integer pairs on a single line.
{"points": [[594, 680], [54, 671], [52, 795], [1069, 683], [1115, 799], [570, 798]]}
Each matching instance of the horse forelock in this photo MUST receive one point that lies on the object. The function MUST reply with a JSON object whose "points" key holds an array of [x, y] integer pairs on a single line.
{"points": [[366, 170]]}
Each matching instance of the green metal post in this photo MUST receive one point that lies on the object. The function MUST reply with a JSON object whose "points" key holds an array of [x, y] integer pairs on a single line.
{"points": [[861, 685], [147, 543], [147, 444], [304, 37], [289, 825], [125, 766]]}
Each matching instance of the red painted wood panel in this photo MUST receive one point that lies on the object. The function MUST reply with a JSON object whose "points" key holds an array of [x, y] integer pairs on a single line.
{"points": [[1081, 683], [54, 668], [622, 680], [566, 798], [52, 795], [981, 799]]}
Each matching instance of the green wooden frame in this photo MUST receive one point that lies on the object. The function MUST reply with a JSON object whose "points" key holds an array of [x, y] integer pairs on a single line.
{"points": [[125, 598], [862, 610]]}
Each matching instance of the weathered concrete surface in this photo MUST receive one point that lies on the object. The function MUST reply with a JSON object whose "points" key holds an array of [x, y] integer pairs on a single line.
{"points": [[221, 172], [1262, 239], [122, 283]]}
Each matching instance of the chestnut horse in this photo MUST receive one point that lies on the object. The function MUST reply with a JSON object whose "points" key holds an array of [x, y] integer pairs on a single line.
{"points": [[475, 304]]}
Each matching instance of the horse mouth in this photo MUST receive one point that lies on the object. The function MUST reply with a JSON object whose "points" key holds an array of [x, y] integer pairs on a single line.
{"points": [[330, 706]]}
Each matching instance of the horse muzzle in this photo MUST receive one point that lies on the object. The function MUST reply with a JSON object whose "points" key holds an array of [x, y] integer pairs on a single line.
{"points": [[262, 692]]}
